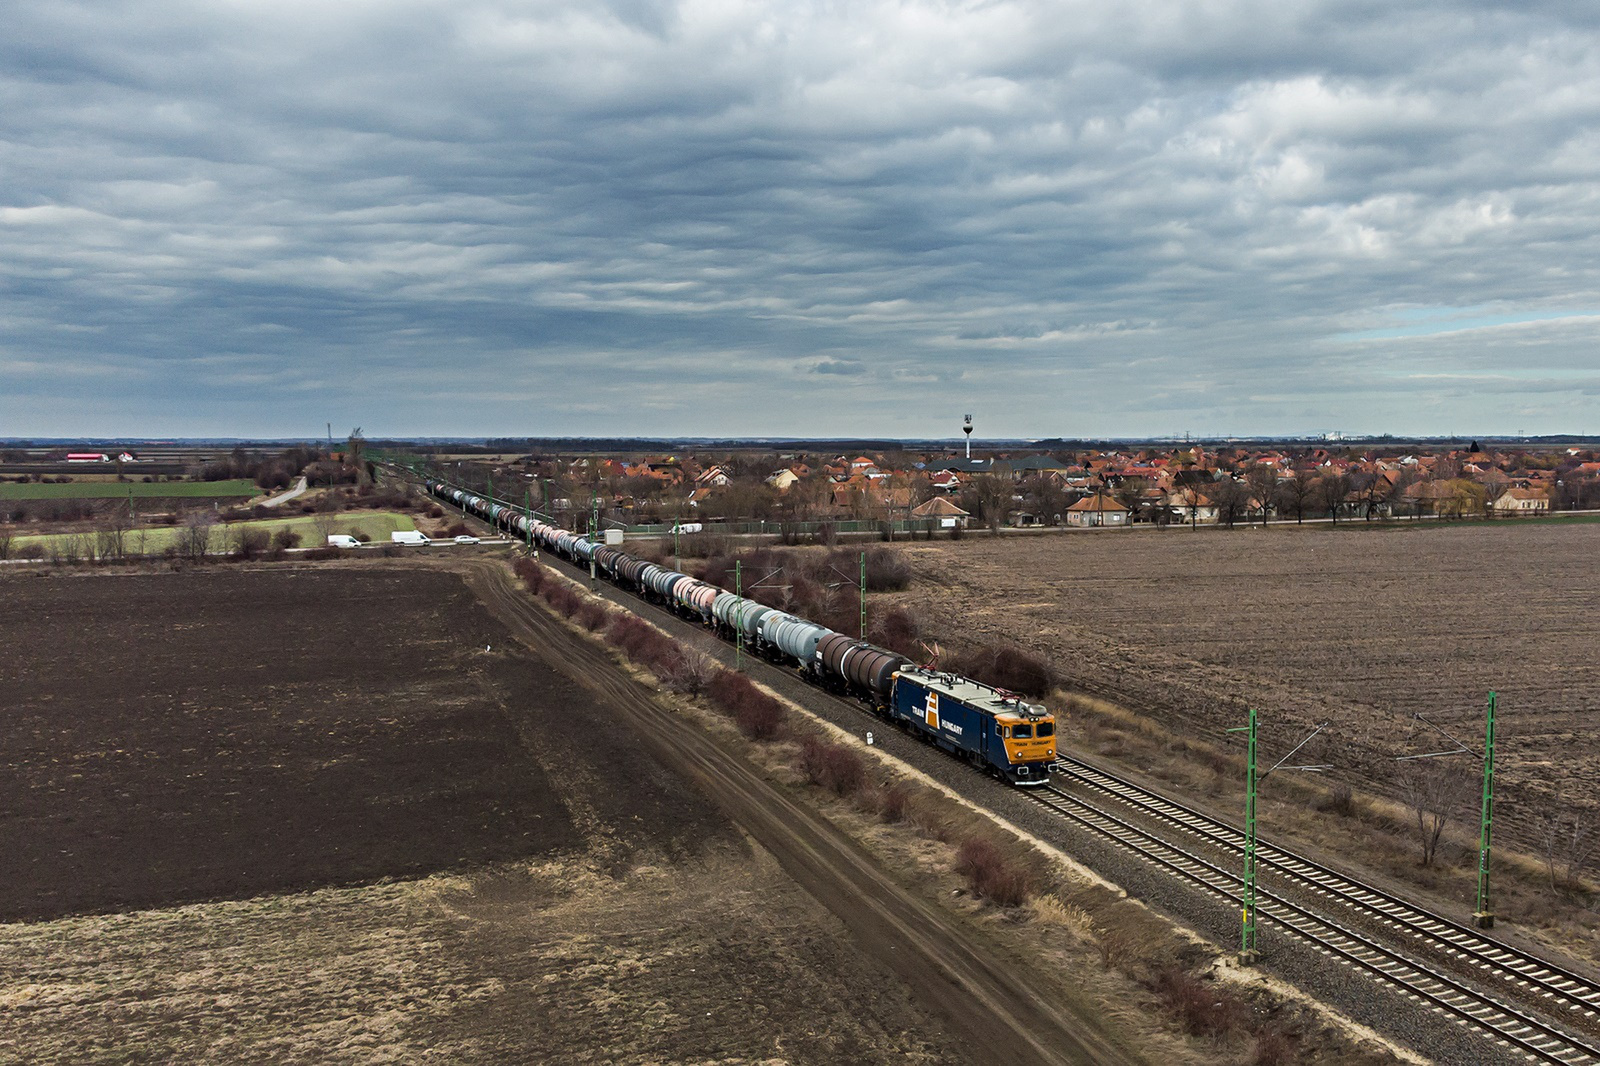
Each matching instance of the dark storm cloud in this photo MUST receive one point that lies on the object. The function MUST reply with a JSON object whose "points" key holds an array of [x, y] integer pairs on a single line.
{"points": [[707, 218]]}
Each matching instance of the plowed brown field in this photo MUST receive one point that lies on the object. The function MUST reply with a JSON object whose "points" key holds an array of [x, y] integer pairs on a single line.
{"points": [[1359, 626], [342, 815]]}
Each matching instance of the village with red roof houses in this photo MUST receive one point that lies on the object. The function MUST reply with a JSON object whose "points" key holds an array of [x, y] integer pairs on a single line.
{"points": [[1190, 484]]}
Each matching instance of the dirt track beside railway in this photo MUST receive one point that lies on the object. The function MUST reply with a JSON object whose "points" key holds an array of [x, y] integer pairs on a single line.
{"points": [[985, 998]]}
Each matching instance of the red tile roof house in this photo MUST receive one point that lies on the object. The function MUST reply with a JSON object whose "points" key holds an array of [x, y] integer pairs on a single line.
{"points": [[1097, 510], [1521, 501], [941, 510]]}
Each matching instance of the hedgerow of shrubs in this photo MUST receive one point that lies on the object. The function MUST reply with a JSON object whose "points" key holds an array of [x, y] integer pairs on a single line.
{"points": [[680, 668]]}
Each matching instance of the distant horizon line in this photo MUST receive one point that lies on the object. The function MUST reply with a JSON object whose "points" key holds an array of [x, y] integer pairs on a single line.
{"points": [[987, 443]]}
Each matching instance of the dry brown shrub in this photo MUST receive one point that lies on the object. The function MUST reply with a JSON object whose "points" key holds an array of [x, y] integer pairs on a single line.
{"points": [[758, 715], [896, 629], [1273, 1048], [562, 597], [1204, 1007], [531, 573], [832, 766], [592, 615], [1112, 945], [894, 801], [690, 673], [1340, 800], [991, 875], [1008, 667]]}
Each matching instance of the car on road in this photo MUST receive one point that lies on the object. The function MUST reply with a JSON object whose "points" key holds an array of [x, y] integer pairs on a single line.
{"points": [[465, 539]]}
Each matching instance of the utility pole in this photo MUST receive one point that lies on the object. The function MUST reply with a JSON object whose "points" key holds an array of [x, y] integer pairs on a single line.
{"points": [[527, 517], [1247, 936], [1484, 915], [738, 629], [1249, 952], [594, 524], [863, 595]]}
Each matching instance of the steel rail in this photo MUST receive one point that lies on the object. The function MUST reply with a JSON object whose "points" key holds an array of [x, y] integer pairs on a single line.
{"points": [[1536, 1038], [1537, 976]]}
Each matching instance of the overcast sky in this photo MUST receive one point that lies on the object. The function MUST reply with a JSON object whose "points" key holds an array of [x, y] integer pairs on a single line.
{"points": [[812, 219]]}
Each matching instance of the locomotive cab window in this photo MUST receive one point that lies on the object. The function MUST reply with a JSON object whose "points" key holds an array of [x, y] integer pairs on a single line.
{"points": [[1022, 732], [1047, 729]]}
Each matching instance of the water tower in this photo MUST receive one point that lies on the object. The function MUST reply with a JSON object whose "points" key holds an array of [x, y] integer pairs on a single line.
{"points": [[967, 429]]}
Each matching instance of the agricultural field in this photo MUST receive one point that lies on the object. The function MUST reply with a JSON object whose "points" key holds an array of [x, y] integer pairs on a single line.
{"points": [[301, 814], [238, 488], [153, 540], [1359, 627]]}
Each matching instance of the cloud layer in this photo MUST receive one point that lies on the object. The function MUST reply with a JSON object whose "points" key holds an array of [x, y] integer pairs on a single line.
{"points": [[719, 218]]}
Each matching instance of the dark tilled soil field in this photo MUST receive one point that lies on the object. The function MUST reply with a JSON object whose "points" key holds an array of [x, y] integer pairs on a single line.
{"points": [[169, 738], [409, 846], [1363, 627]]}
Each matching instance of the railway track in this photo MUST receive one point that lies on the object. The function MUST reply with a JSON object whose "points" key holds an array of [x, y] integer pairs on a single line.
{"points": [[1535, 976], [1541, 1041], [1537, 980]]}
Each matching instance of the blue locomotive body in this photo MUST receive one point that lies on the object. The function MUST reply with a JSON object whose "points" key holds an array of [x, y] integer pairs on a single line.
{"points": [[992, 728]]}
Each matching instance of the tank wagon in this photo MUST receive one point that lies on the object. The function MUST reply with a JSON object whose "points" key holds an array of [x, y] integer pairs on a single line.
{"points": [[993, 729]]}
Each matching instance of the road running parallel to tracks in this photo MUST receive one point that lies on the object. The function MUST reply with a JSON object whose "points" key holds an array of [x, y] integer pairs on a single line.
{"points": [[992, 1001], [1536, 1010]]}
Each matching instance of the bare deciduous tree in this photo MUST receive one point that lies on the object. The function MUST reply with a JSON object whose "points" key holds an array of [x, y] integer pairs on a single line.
{"points": [[1436, 790], [1295, 492], [691, 673], [1332, 488], [1231, 499], [1568, 841], [195, 538]]}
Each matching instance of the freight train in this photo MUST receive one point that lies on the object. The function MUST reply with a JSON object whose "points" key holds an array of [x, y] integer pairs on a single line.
{"points": [[993, 729]]}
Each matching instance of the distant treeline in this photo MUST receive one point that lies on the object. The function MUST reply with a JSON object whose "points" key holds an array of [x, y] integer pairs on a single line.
{"points": [[269, 471]]}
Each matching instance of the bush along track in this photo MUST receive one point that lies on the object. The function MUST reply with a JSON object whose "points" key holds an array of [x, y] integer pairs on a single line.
{"points": [[1016, 893]]}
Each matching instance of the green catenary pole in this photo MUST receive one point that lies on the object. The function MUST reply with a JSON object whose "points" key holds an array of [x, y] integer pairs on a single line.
{"points": [[863, 595], [1484, 915], [594, 525], [738, 630], [1248, 952]]}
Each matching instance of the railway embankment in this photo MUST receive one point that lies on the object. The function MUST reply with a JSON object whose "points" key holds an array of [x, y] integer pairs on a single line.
{"points": [[1076, 923]]}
